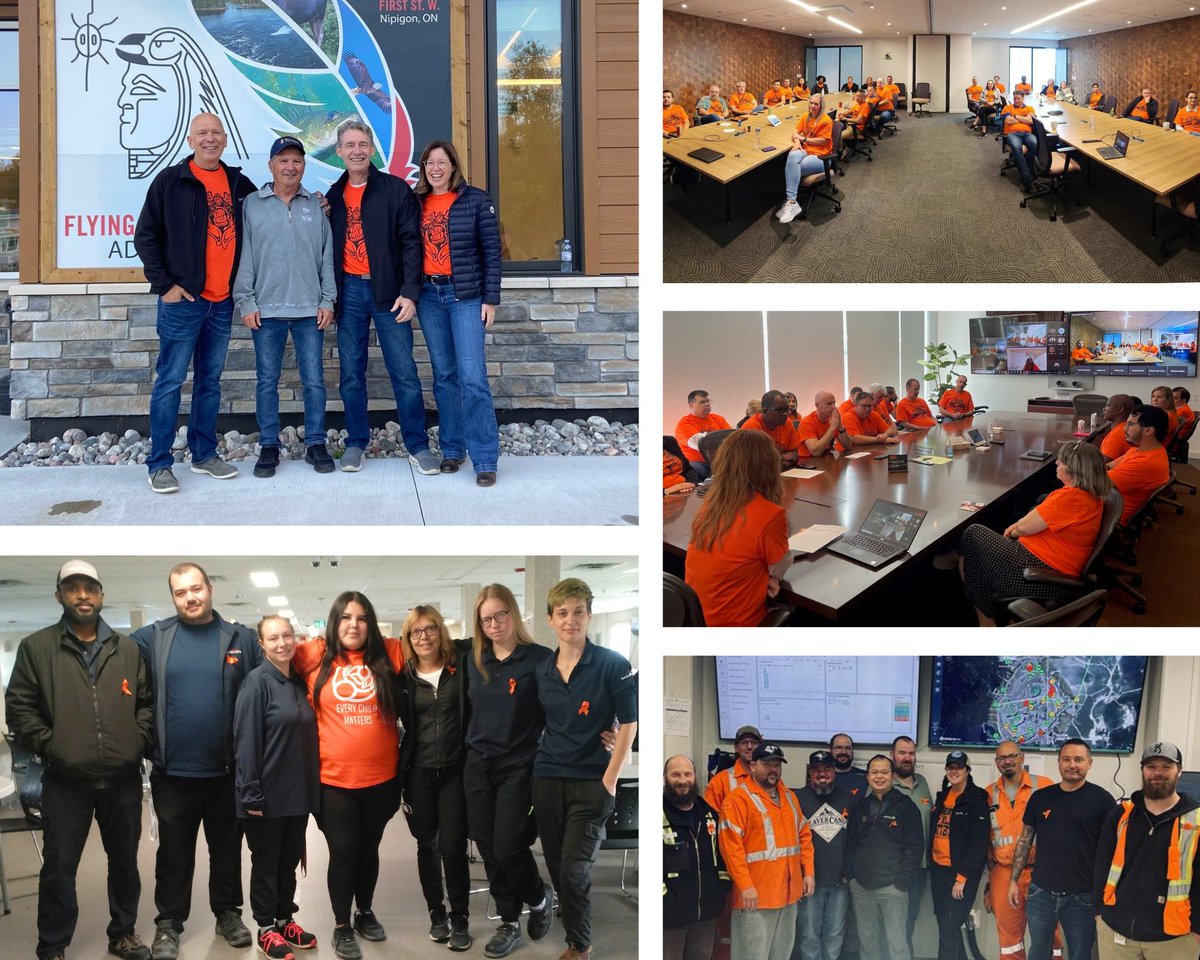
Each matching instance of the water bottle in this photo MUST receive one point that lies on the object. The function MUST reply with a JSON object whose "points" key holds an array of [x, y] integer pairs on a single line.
{"points": [[564, 257], [1095, 420], [1092, 121], [949, 448], [758, 137]]}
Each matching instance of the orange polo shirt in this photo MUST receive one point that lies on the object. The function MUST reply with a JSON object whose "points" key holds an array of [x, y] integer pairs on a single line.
{"points": [[916, 413], [1022, 116], [956, 403], [820, 126], [1073, 518], [784, 435], [1114, 444], [689, 425], [1137, 474], [675, 118]]}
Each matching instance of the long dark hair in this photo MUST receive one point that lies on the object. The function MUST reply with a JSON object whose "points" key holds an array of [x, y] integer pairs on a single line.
{"points": [[374, 654]]}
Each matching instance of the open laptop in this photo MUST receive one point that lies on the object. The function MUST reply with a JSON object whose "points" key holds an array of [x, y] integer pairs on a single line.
{"points": [[1119, 148], [888, 532]]}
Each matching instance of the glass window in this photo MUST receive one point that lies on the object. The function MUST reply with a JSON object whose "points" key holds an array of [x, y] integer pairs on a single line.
{"points": [[851, 66], [827, 65], [1039, 64], [10, 153]]}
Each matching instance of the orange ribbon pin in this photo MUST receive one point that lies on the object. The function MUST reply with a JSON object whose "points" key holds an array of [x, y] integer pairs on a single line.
{"points": [[125, 688], [583, 709], [512, 686]]}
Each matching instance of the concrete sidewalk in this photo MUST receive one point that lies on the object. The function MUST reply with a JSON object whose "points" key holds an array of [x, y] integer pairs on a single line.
{"points": [[529, 490]]}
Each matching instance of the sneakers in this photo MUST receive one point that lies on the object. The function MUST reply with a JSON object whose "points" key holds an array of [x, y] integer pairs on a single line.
{"points": [[439, 926], [129, 946], [230, 926], [166, 941], [268, 460], [451, 464], [486, 478], [368, 927], [425, 462], [272, 945], [507, 938], [345, 945], [789, 212], [460, 939], [540, 921], [352, 458], [295, 936], [319, 457], [218, 469], [163, 481]]}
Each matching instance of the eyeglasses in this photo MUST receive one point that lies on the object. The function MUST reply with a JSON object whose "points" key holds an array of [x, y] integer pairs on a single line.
{"points": [[430, 631], [499, 619], [438, 163]]}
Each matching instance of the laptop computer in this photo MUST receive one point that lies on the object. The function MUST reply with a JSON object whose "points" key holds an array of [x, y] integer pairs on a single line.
{"points": [[1119, 148], [888, 532], [705, 155]]}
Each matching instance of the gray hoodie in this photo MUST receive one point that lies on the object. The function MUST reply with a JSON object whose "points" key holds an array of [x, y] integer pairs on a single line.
{"points": [[286, 268]]}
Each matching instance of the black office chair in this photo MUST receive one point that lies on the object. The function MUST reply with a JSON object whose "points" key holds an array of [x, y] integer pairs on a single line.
{"points": [[1110, 104], [1084, 612], [1120, 569], [621, 828], [681, 607], [27, 776], [671, 446], [710, 443], [814, 181], [1085, 404], [1051, 168], [1178, 452], [1168, 120], [972, 106], [861, 144], [1182, 205], [920, 98], [902, 99]]}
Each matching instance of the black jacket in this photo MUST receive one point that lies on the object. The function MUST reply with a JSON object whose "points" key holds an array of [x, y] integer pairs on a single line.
{"points": [[695, 884], [93, 734], [392, 230], [406, 687], [884, 841], [969, 825], [172, 230], [1151, 108], [474, 245]]}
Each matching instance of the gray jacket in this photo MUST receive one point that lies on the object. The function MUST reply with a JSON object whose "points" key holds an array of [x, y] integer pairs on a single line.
{"points": [[286, 269]]}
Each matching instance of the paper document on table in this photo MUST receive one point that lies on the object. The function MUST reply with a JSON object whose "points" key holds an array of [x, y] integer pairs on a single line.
{"points": [[930, 460], [802, 473], [855, 456], [813, 538]]}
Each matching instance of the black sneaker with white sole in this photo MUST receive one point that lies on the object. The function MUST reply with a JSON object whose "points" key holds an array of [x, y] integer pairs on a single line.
{"points": [[506, 939]]}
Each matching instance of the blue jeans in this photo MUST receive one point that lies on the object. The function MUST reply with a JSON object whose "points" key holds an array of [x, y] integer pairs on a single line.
{"points": [[454, 334], [192, 332], [821, 923], [882, 117], [1015, 142], [396, 341], [800, 165], [269, 342], [1074, 912]]}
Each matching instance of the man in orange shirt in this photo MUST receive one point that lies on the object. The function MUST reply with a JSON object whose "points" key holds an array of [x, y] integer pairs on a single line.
{"points": [[711, 108], [1023, 87], [1018, 131], [723, 783], [1188, 116], [957, 404], [1116, 411], [775, 96], [741, 103], [913, 412], [1145, 468], [864, 426], [974, 92], [1081, 354], [995, 80], [854, 121], [692, 427], [879, 396], [848, 404], [1143, 109], [821, 429], [1185, 413], [773, 421], [675, 118]]}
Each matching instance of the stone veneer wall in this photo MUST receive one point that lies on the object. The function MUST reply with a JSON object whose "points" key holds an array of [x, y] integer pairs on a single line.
{"points": [[88, 350]]}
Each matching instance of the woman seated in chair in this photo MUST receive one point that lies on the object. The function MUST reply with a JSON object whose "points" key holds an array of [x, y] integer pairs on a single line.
{"points": [[1058, 534], [740, 533], [811, 142], [989, 103], [1065, 93]]}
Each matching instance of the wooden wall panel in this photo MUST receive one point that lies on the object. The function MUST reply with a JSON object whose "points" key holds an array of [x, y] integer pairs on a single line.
{"points": [[1162, 55]]}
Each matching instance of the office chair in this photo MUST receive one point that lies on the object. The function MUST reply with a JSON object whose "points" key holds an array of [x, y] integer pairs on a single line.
{"points": [[621, 829], [1180, 206], [710, 443], [1110, 104], [814, 181], [1084, 612], [1177, 452], [921, 96], [1120, 564], [861, 145], [28, 781], [970, 109], [1051, 167], [902, 99], [681, 607], [1085, 404], [1168, 121]]}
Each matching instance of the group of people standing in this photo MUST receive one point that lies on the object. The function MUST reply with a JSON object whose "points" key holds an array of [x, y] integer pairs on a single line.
{"points": [[501, 740], [287, 260]]}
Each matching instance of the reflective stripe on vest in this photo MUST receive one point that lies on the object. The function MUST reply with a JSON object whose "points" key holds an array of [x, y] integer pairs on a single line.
{"points": [[998, 838], [771, 851], [1181, 857]]}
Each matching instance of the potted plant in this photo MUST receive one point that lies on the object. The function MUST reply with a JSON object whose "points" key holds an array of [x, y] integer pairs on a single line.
{"points": [[941, 367]]}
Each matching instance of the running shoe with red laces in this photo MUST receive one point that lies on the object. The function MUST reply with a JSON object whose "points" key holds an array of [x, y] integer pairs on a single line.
{"points": [[296, 936], [272, 945]]}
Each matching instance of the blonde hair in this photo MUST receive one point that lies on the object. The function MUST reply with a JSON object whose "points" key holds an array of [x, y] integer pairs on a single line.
{"points": [[445, 644], [1085, 463], [263, 621], [480, 641], [570, 589], [745, 464]]}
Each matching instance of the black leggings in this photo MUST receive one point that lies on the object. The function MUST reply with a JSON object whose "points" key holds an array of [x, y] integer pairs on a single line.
{"points": [[353, 822]]}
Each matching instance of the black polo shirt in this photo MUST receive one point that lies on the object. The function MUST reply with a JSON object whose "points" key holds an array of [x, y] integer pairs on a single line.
{"points": [[601, 691], [506, 715]]}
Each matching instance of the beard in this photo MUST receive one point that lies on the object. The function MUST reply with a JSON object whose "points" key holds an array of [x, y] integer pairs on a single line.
{"points": [[843, 765], [823, 789], [1157, 789], [682, 800], [905, 770], [82, 619]]}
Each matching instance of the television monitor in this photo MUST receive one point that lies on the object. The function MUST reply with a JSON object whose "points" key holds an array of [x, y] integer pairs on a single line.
{"points": [[1160, 346], [809, 699], [1012, 344], [1037, 702]]}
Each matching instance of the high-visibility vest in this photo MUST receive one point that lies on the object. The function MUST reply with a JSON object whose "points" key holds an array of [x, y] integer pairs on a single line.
{"points": [[723, 784], [1181, 856], [758, 858], [1005, 831]]}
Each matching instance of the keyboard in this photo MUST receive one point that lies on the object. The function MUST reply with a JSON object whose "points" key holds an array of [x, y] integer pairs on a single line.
{"points": [[877, 547]]}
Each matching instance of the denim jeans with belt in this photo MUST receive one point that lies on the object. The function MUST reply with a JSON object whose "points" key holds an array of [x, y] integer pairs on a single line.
{"points": [[1073, 912], [821, 923], [270, 339]]}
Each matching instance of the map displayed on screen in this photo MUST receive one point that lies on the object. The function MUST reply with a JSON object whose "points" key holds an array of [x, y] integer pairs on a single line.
{"points": [[1037, 702]]}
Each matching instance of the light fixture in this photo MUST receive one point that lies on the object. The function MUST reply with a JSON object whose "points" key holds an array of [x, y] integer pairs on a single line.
{"points": [[889, 23], [1057, 13], [800, 3], [288, 614], [277, 601], [264, 579], [845, 26]]}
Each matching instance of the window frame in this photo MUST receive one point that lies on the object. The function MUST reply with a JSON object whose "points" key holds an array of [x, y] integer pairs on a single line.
{"points": [[11, 26]]}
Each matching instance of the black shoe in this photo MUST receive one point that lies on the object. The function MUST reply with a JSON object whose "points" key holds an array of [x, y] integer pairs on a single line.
{"points": [[129, 946], [1026, 186], [368, 927], [166, 942], [505, 941], [460, 939], [540, 921], [486, 479], [230, 926], [439, 926], [345, 945], [451, 464], [319, 457], [268, 460]]}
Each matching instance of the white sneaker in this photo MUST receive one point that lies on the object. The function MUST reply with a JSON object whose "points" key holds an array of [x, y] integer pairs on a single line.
{"points": [[782, 210], [791, 210]]}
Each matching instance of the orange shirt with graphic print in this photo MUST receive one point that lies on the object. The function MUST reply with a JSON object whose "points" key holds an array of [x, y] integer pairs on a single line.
{"points": [[916, 413], [354, 254], [773, 97], [744, 102], [941, 831], [818, 127], [1141, 110], [1188, 120], [435, 231], [221, 238], [956, 402], [675, 118], [974, 91]]}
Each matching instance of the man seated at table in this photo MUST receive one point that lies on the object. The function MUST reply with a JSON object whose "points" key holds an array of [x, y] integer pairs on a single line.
{"points": [[893, 398], [1144, 468], [880, 403], [956, 403], [1018, 132], [821, 429], [1081, 354], [1050, 90], [776, 95], [789, 92], [692, 427], [1188, 116], [885, 109], [854, 121], [974, 92], [863, 426], [849, 86], [1116, 411], [847, 405], [741, 103], [773, 421], [996, 81], [913, 412], [675, 118], [1184, 412], [713, 107], [1095, 98], [1143, 109], [1024, 86]]}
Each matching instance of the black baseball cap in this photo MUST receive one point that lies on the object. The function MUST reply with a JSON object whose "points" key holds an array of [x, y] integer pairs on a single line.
{"points": [[769, 751], [821, 758], [956, 758], [283, 143]]}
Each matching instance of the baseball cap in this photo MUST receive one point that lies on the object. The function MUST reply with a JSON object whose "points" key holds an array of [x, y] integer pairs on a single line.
{"points": [[768, 751], [747, 731], [821, 758], [283, 143], [77, 568], [1163, 749], [956, 758]]}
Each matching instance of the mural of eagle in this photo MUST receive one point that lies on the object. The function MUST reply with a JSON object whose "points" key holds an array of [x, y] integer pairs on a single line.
{"points": [[366, 87]]}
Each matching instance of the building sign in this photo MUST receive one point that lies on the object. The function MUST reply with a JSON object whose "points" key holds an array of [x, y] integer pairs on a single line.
{"points": [[132, 73]]}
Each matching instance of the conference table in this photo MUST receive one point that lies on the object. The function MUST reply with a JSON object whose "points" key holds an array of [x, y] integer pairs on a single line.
{"points": [[1131, 356], [746, 143], [839, 590]]}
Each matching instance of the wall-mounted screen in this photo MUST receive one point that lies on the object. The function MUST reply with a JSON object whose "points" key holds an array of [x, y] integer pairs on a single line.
{"points": [[1037, 702], [809, 699], [1013, 344], [1138, 344]]}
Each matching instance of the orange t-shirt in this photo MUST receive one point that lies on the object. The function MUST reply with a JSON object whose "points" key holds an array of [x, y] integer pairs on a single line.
{"points": [[221, 239], [1023, 88], [857, 427], [1073, 517], [974, 91], [689, 425], [785, 436], [675, 118], [1095, 97], [801, 93], [358, 746], [916, 413], [1114, 444], [1189, 120], [858, 114], [819, 127], [741, 101], [812, 427], [1051, 93], [989, 96], [773, 97], [1081, 355], [435, 231], [956, 403], [1172, 426], [672, 471], [1137, 474], [731, 579], [1185, 415], [1140, 110], [884, 409], [846, 406], [354, 254], [1022, 117], [885, 102], [941, 831], [1000, 87]]}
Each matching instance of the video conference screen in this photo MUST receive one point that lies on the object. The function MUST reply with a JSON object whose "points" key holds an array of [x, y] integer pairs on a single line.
{"points": [[1014, 344], [1037, 702], [1158, 345]]}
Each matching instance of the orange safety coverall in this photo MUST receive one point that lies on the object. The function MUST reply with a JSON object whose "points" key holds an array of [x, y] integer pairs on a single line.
{"points": [[767, 844]]}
